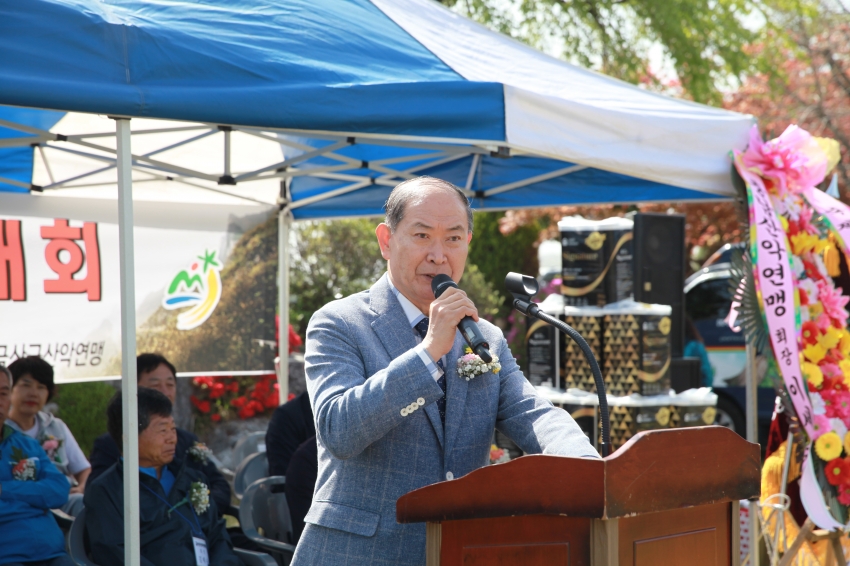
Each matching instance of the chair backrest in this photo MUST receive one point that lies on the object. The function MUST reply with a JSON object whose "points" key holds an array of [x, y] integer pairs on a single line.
{"points": [[77, 542], [249, 444], [252, 468], [264, 511]]}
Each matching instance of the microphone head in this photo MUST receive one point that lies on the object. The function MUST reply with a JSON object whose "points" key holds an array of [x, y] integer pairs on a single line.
{"points": [[440, 283]]}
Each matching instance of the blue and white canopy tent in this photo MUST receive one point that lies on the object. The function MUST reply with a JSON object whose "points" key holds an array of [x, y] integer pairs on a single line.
{"points": [[351, 96]]}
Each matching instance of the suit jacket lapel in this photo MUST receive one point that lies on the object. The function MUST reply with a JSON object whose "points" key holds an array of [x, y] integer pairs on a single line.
{"points": [[394, 331], [455, 393]]}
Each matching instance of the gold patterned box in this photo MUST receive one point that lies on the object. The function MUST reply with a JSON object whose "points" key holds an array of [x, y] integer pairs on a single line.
{"points": [[596, 260], [575, 369], [636, 348], [630, 415]]}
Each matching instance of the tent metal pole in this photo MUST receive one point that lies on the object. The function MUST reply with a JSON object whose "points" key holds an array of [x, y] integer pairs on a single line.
{"points": [[284, 225], [128, 345], [227, 153]]}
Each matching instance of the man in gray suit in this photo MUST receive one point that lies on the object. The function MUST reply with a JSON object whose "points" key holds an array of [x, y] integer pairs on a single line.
{"points": [[391, 413]]}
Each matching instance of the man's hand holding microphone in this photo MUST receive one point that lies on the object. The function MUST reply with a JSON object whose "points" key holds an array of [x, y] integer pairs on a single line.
{"points": [[452, 310]]}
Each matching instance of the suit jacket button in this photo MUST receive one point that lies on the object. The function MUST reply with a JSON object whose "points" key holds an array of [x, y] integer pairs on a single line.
{"points": [[412, 407], [450, 476], [404, 412], [420, 401]]}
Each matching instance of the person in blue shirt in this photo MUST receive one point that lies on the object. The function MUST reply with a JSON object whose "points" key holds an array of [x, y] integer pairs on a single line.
{"points": [[30, 486], [695, 348], [179, 522]]}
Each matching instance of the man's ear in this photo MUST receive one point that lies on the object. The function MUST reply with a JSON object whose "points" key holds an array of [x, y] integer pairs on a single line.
{"points": [[468, 238], [383, 233]]}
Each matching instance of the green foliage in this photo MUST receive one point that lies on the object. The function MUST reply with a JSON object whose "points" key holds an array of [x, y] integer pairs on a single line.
{"points": [[703, 40], [237, 334], [496, 254], [82, 406], [487, 300], [336, 259], [331, 260]]}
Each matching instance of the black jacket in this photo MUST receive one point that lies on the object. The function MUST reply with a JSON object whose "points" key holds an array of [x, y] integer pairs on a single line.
{"points": [[291, 424], [105, 453], [301, 483], [165, 538]]}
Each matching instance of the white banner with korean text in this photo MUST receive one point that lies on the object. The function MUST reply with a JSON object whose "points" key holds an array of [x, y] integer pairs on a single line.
{"points": [[195, 300]]}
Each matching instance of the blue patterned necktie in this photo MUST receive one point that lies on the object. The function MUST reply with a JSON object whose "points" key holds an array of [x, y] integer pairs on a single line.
{"points": [[422, 328]]}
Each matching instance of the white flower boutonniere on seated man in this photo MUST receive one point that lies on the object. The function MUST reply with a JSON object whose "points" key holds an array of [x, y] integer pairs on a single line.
{"points": [[200, 453], [471, 365]]}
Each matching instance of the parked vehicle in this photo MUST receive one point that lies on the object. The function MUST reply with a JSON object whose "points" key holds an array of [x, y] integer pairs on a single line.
{"points": [[708, 298]]}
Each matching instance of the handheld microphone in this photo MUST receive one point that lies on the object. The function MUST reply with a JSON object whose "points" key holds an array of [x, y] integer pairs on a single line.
{"points": [[467, 326]]}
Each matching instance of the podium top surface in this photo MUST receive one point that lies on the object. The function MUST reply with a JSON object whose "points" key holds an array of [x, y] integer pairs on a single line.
{"points": [[654, 471]]}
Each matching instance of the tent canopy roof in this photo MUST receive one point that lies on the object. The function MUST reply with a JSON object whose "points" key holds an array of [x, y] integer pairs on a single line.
{"points": [[359, 95]]}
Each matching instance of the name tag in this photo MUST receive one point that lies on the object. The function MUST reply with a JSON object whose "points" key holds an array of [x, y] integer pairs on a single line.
{"points": [[201, 556]]}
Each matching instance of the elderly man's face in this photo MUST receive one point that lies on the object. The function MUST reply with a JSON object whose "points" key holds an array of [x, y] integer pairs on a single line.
{"points": [[157, 442], [162, 379], [5, 396], [432, 238]]}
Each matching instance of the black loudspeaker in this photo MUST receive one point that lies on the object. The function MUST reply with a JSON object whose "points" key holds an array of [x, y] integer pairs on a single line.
{"points": [[685, 374], [659, 268]]}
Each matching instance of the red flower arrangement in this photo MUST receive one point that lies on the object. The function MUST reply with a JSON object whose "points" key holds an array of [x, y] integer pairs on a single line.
{"points": [[224, 398], [837, 471]]}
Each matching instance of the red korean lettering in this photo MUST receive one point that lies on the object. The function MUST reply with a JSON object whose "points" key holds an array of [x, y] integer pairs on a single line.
{"points": [[65, 238], [13, 275]]}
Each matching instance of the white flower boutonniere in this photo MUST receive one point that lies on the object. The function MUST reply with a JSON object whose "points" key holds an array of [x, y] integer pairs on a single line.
{"points": [[200, 453], [471, 365], [24, 468], [199, 497]]}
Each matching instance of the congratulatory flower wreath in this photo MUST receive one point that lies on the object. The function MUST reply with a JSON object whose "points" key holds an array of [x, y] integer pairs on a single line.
{"points": [[789, 300]]}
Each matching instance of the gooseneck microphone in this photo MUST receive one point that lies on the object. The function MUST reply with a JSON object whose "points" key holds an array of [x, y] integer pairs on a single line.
{"points": [[523, 287], [467, 326]]}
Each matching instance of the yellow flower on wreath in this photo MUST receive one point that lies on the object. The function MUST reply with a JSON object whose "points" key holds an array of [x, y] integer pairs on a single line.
{"points": [[828, 447], [847, 442], [814, 353], [844, 342], [830, 338], [815, 310], [804, 242], [812, 373]]}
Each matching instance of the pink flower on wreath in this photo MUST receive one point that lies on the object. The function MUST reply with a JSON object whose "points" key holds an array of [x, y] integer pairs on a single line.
{"points": [[794, 161], [841, 399], [804, 223], [820, 426], [831, 370], [833, 302], [830, 403], [823, 321]]}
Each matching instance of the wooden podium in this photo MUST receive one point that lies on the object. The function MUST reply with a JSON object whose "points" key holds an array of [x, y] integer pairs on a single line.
{"points": [[667, 497]]}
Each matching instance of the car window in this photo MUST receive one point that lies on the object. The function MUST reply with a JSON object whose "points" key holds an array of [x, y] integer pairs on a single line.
{"points": [[709, 300]]}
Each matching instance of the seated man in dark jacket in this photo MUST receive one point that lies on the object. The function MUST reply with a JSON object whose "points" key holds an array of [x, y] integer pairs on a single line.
{"points": [[301, 483], [155, 372], [291, 424], [179, 522]]}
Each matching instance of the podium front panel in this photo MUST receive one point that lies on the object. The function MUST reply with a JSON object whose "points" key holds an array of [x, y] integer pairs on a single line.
{"points": [[529, 540], [693, 536]]}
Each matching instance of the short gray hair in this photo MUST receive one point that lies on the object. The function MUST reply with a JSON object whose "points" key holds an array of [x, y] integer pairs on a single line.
{"points": [[408, 190], [4, 369]]}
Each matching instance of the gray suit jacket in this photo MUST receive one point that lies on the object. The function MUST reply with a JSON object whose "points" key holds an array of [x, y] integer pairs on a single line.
{"points": [[361, 372]]}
